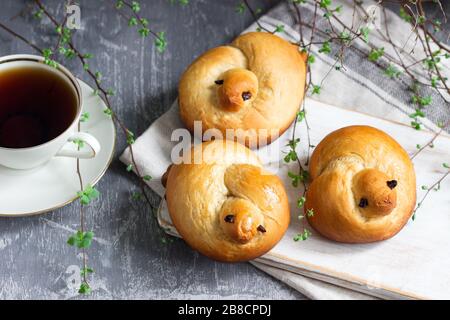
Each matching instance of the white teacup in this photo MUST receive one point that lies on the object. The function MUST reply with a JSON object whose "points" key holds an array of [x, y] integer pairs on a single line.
{"points": [[62, 145]]}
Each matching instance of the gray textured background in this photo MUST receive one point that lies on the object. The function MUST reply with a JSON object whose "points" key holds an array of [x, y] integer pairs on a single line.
{"points": [[130, 258], [132, 262]]}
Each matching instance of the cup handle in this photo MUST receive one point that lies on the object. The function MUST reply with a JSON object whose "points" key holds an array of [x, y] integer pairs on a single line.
{"points": [[90, 142]]}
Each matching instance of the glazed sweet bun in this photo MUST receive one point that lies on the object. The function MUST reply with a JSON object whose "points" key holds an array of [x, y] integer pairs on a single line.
{"points": [[226, 206], [255, 84], [363, 186]]}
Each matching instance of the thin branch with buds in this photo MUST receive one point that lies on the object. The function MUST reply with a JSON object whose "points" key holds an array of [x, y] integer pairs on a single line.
{"points": [[103, 92]]}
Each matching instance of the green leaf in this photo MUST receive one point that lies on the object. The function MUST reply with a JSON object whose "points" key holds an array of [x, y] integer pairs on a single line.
{"points": [[87, 239], [290, 156], [437, 25], [310, 213], [84, 117], [326, 47], [404, 15], [446, 165], [279, 28], [422, 101], [81, 240], [85, 271], [132, 22], [392, 72], [69, 54], [98, 76], [302, 236], [47, 53], [38, 14], [301, 202], [416, 125], [293, 143], [365, 33], [135, 6], [108, 112], [136, 196], [376, 54], [66, 35], [324, 3], [421, 19], [311, 59], [144, 32], [130, 137], [434, 82], [417, 113], [338, 9], [301, 116], [161, 42], [88, 194], [79, 143], [240, 8], [438, 187], [119, 4], [129, 168], [84, 199], [316, 89], [147, 178], [71, 241], [84, 288], [294, 179], [62, 50], [345, 37]]}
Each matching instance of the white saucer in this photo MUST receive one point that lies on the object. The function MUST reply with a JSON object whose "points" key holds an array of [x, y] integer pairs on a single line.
{"points": [[56, 184]]}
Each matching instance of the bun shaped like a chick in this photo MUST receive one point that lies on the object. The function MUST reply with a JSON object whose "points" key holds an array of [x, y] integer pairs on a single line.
{"points": [[226, 206], [363, 186], [256, 84]]}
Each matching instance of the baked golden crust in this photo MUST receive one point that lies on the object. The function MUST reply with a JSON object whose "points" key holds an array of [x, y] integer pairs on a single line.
{"points": [[227, 207], [363, 186], [260, 85]]}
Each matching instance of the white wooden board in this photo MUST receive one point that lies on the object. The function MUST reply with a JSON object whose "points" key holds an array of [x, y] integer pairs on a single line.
{"points": [[413, 264]]}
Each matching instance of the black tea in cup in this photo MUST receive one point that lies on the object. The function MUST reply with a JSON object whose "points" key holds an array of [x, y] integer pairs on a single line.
{"points": [[36, 106]]}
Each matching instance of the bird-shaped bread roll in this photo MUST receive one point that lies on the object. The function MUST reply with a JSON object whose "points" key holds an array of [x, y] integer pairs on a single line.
{"points": [[363, 186], [224, 204], [254, 85]]}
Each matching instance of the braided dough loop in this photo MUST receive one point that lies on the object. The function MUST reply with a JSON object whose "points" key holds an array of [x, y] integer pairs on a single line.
{"points": [[363, 186], [227, 207], [255, 84]]}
